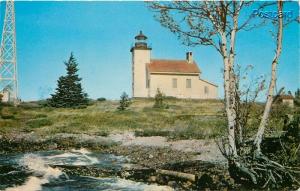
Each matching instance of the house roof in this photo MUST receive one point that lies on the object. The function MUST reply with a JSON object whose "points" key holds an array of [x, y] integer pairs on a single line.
{"points": [[172, 66], [208, 82]]}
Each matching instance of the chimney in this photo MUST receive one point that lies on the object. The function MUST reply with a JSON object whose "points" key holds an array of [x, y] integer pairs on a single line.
{"points": [[189, 57]]}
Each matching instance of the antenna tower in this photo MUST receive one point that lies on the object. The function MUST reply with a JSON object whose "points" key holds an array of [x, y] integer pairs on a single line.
{"points": [[8, 55]]}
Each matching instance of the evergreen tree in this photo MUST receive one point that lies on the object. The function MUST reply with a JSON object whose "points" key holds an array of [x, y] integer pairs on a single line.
{"points": [[297, 97], [124, 102], [1, 104], [69, 92], [297, 93], [160, 100]]}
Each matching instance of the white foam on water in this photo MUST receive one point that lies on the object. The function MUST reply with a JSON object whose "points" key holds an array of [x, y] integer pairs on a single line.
{"points": [[81, 150], [32, 184], [38, 166], [85, 152], [80, 157], [43, 173], [129, 184]]}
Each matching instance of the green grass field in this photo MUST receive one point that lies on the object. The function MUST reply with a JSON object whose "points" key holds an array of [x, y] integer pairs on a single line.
{"points": [[183, 119]]}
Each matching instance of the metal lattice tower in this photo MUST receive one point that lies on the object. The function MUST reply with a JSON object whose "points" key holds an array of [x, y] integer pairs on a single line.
{"points": [[8, 55]]}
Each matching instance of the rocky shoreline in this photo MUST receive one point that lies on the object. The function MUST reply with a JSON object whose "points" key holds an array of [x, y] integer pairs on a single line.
{"points": [[162, 164]]}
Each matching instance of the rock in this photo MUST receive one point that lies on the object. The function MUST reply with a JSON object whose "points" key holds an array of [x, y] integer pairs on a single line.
{"points": [[231, 181], [187, 184], [160, 180], [150, 156], [172, 184], [158, 188], [53, 146], [125, 174], [152, 179]]}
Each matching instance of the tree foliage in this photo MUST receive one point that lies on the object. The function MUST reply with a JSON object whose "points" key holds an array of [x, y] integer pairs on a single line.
{"points": [[297, 97], [1, 104], [69, 92], [290, 141], [217, 24], [159, 100], [297, 93], [124, 102], [213, 24]]}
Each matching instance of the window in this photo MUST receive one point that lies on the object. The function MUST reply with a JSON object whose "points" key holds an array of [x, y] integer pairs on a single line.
{"points": [[188, 83], [174, 83], [206, 90]]}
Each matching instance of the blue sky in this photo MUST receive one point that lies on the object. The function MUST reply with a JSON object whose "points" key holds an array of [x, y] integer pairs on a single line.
{"points": [[100, 35]]}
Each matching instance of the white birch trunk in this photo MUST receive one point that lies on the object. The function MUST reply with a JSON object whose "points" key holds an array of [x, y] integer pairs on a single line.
{"points": [[231, 64], [230, 83], [228, 98], [262, 126]]}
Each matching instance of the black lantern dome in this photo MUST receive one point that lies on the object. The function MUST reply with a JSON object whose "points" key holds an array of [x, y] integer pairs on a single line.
{"points": [[140, 36], [140, 42]]}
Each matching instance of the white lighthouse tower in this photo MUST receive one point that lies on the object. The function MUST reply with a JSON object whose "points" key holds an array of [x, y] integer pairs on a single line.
{"points": [[141, 54]]}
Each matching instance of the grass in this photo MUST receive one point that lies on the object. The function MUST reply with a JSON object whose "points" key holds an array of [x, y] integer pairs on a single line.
{"points": [[40, 122], [183, 119]]}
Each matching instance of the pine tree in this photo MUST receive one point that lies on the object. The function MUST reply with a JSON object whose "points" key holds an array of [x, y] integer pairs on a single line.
{"points": [[297, 97], [297, 93], [160, 100], [124, 102], [1, 104], [69, 93]]}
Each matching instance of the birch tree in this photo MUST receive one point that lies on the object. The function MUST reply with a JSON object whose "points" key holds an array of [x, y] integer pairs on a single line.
{"points": [[211, 24], [262, 126], [217, 24]]}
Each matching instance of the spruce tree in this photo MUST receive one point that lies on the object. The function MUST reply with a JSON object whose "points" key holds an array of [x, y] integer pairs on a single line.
{"points": [[297, 97], [69, 93], [160, 100], [297, 93], [124, 102], [1, 105]]}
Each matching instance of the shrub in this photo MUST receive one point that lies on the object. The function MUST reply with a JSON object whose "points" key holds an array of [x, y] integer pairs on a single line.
{"points": [[40, 122], [124, 102], [29, 105], [160, 100], [101, 99], [7, 111], [199, 128], [40, 116], [285, 149], [102, 133], [1, 105], [42, 103], [278, 115], [4, 116], [151, 132], [297, 98]]}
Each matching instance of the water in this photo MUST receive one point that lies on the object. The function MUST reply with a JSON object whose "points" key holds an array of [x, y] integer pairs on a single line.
{"points": [[37, 171]]}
